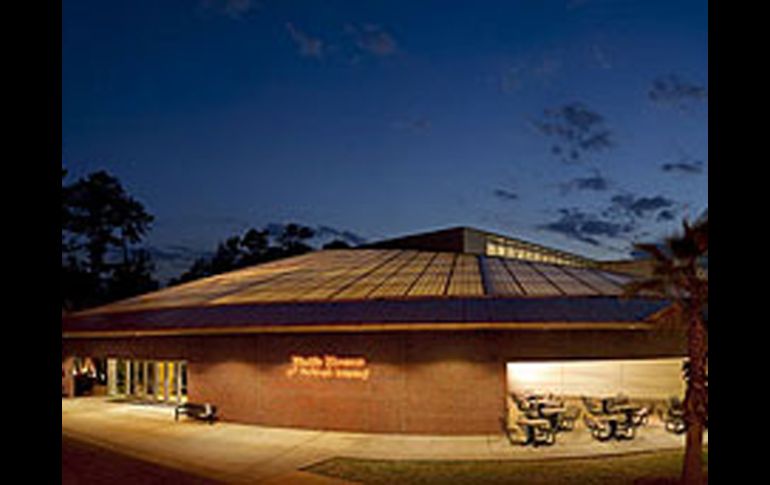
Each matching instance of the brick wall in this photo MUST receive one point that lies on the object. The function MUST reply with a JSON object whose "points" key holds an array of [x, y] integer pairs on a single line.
{"points": [[419, 382]]}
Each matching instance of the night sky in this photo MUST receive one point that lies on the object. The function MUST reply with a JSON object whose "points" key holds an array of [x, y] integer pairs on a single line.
{"points": [[576, 124]]}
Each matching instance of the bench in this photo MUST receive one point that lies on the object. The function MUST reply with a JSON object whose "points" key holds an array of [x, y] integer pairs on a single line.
{"points": [[204, 412]]}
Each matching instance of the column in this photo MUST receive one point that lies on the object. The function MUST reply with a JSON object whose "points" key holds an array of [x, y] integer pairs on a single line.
{"points": [[112, 377], [67, 380], [146, 385], [166, 382], [178, 382], [128, 378]]}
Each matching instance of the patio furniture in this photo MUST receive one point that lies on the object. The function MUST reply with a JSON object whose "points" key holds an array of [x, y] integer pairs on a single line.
{"points": [[601, 429], [538, 431], [641, 416], [636, 414], [552, 414], [591, 406], [674, 417], [527, 431], [521, 403], [507, 430], [568, 418], [204, 412], [624, 427], [610, 426], [608, 404]]}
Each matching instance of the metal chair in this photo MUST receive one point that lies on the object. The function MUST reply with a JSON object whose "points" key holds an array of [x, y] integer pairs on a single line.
{"points": [[567, 420], [600, 429], [592, 406], [674, 417]]}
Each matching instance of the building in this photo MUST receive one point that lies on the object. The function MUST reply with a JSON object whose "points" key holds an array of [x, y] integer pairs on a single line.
{"points": [[422, 334]]}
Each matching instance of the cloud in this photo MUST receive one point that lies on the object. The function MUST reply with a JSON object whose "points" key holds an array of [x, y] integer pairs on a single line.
{"points": [[417, 125], [308, 46], [634, 208], [581, 226], [322, 234], [232, 8], [596, 183], [574, 4], [666, 215], [172, 260], [372, 39], [670, 90], [326, 232], [536, 72], [176, 253], [684, 167], [506, 195], [576, 131], [600, 56]]}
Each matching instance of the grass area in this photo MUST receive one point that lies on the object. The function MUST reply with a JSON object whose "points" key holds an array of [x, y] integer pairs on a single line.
{"points": [[656, 468]]}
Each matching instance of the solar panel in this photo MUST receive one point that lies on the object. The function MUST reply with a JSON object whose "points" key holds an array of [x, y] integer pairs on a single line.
{"points": [[566, 282], [534, 283], [466, 277], [201, 291], [316, 277], [593, 278], [434, 279], [364, 285], [498, 279], [399, 283]]}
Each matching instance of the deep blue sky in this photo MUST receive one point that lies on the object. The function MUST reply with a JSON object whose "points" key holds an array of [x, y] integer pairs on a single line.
{"points": [[390, 117]]}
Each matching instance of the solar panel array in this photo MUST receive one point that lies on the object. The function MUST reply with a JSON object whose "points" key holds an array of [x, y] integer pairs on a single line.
{"points": [[361, 274]]}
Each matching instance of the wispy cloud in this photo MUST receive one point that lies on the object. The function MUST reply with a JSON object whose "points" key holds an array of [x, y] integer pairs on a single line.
{"points": [[232, 8], [308, 46], [685, 167], [506, 195], [331, 232], [601, 57], [535, 72], [576, 131], [416, 125], [372, 39], [672, 91], [581, 226], [634, 208], [626, 217], [596, 182]]}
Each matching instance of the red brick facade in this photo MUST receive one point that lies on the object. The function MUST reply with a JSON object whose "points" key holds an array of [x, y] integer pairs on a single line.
{"points": [[419, 382]]}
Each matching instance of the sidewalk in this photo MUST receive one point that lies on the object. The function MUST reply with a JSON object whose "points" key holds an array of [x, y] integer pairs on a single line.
{"points": [[237, 453]]}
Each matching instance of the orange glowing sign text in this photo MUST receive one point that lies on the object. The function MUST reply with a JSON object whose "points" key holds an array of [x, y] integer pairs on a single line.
{"points": [[328, 367]]}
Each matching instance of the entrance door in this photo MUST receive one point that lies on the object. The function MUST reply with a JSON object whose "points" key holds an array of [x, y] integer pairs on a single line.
{"points": [[153, 380]]}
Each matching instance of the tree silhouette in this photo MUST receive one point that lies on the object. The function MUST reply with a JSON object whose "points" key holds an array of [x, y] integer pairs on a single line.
{"points": [[101, 224], [293, 237], [254, 247], [678, 275]]}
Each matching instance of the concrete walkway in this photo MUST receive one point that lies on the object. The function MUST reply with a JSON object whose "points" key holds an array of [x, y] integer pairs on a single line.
{"points": [[236, 453]]}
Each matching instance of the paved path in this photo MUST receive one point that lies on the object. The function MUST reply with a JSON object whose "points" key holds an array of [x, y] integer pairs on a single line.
{"points": [[84, 464], [237, 453]]}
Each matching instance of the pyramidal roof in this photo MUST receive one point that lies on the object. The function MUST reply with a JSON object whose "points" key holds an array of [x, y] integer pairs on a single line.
{"points": [[445, 277]]}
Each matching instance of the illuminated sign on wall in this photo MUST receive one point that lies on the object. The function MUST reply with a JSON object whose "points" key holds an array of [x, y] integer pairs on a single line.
{"points": [[328, 367]]}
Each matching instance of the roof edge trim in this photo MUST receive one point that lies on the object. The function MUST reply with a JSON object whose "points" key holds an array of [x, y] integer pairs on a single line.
{"points": [[369, 327]]}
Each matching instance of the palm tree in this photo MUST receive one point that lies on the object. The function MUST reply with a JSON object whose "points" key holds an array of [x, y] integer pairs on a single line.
{"points": [[678, 275]]}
